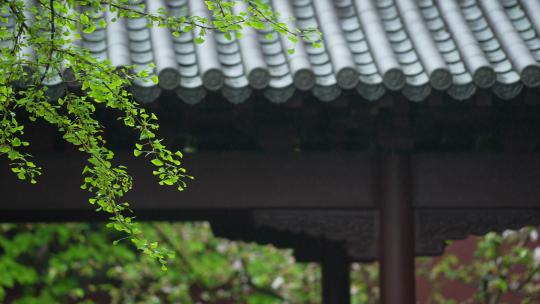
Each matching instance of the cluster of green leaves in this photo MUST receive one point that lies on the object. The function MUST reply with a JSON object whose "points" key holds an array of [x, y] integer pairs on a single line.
{"points": [[503, 265], [39, 47], [76, 263]]}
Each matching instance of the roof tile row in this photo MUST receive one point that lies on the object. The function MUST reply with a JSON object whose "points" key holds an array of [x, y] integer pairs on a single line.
{"points": [[370, 46]]}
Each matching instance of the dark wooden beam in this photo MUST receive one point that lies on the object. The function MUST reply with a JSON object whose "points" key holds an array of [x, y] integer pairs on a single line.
{"points": [[228, 180], [256, 180], [476, 180]]}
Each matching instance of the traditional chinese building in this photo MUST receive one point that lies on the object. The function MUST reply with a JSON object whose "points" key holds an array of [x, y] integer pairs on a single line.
{"points": [[416, 122]]}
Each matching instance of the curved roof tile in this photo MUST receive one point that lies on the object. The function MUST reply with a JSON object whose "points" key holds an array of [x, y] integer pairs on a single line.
{"points": [[369, 45]]}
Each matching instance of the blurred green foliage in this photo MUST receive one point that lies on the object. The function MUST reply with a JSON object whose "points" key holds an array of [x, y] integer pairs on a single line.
{"points": [[77, 263]]}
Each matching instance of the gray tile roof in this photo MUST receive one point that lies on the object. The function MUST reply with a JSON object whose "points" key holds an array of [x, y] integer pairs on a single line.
{"points": [[371, 46]]}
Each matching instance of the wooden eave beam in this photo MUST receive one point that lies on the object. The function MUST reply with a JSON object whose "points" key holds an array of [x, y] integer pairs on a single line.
{"points": [[251, 180]]}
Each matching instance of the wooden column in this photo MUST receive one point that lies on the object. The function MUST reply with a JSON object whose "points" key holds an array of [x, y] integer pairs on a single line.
{"points": [[335, 275], [397, 280]]}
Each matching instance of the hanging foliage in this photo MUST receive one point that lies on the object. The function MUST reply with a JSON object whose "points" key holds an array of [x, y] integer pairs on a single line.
{"points": [[39, 47]]}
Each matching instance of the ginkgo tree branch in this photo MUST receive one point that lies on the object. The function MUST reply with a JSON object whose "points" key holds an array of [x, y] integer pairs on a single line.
{"points": [[47, 29]]}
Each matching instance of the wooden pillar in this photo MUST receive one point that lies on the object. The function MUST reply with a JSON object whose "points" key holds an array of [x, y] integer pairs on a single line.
{"points": [[336, 282], [397, 280]]}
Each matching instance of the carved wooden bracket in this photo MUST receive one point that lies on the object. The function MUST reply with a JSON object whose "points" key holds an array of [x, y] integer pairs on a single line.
{"points": [[435, 226], [357, 229], [305, 231]]}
